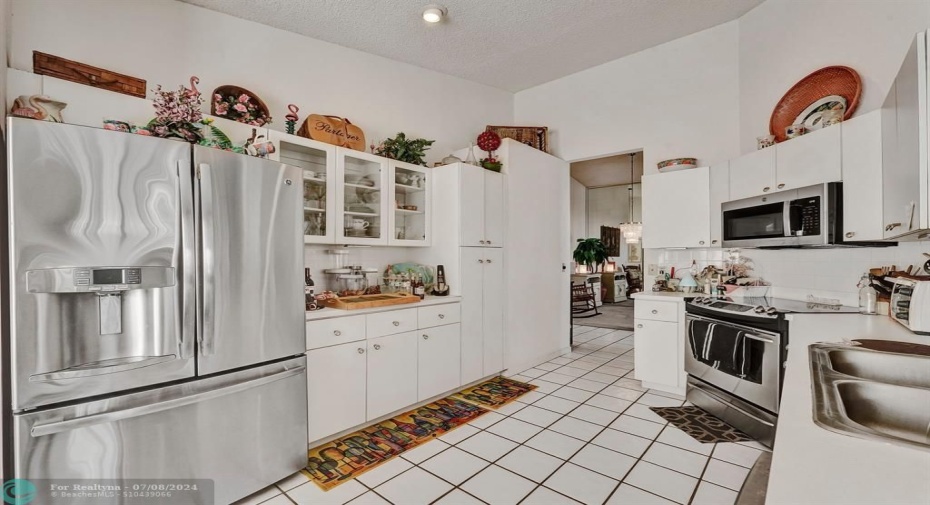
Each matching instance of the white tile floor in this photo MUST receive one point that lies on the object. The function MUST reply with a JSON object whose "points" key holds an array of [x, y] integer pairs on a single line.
{"points": [[585, 435]]}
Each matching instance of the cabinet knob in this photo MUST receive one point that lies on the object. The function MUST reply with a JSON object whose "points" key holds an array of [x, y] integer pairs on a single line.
{"points": [[396, 323], [377, 347], [425, 337], [442, 316], [654, 311], [488, 261], [337, 333], [701, 242], [780, 186], [766, 189], [361, 351], [850, 234], [639, 326], [480, 261]]}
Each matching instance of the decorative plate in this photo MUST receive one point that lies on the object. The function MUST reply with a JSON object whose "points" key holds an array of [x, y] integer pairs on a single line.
{"points": [[811, 116], [826, 82], [677, 164]]}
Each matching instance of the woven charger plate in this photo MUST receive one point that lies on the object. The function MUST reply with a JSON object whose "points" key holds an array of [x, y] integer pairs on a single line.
{"points": [[837, 80]]}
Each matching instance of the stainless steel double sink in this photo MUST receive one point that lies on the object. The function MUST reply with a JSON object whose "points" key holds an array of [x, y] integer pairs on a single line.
{"points": [[872, 394]]}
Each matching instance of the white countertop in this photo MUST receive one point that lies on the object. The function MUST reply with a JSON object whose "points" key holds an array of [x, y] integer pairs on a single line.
{"points": [[811, 465], [328, 313], [664, 296]]}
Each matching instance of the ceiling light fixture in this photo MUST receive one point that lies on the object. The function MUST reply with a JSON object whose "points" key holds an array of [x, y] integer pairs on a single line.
{"points": [[434, 13], [632, 231]]}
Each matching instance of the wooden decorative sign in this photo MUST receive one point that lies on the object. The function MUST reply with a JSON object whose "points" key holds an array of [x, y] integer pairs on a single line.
{"points": [[56, 66], [335, 130], [533, 136]]}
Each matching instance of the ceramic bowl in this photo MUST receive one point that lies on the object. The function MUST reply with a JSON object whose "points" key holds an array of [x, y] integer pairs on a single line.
{"points": [[677, 164]]}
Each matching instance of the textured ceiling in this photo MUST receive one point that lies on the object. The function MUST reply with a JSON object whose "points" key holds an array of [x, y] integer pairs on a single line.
{"points": [[512, 44], [609, 171]]}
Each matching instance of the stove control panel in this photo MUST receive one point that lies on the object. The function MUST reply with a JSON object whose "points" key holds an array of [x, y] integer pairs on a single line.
{"points": [[730, 307]]}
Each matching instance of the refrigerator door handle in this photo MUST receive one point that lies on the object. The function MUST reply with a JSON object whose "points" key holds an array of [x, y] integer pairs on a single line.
{"points": [[41, 430], [208, 260], [188, 261]]}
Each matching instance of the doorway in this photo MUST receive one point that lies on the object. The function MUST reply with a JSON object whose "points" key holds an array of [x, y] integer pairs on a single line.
{"points": [[602, 191]]}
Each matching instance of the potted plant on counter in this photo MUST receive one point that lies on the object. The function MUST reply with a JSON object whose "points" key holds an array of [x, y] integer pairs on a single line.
{"points": [[591, 252]]}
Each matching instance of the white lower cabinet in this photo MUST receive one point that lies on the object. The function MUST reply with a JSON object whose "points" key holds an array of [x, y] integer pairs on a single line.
{"points": [[659, 345], [336, 388], [438, 360], [382, 370]]}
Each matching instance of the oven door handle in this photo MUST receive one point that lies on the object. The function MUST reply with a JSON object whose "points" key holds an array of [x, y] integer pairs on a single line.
{"points": [[730, 404], [755, 332], [759, 338]]}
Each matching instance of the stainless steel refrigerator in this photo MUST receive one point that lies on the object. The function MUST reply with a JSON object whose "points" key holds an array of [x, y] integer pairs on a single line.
{"points": [[156, 303]]}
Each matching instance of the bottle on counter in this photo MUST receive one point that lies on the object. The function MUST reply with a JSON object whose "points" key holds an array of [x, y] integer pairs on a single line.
{"points": [[419, 289], [309, 297], [868, 297]]}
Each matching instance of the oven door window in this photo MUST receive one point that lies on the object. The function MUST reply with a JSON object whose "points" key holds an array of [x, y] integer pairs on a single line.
{"points": [[761, 221], [726, 349]]}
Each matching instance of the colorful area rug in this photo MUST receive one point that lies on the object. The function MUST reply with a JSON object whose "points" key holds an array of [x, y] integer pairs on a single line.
{"points": [[702, 426], [351, 455]]}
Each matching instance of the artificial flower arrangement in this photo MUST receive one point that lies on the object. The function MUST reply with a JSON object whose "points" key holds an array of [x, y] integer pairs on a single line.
{"points": [[235, 103], [490, 141]]}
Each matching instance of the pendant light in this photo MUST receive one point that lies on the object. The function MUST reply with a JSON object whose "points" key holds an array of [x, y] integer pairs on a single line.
{"points": [[632, 231]]}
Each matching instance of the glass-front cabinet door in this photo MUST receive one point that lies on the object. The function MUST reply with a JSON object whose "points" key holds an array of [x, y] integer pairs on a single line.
{"points": [[361, 198], [409, 205], [318, 162]]}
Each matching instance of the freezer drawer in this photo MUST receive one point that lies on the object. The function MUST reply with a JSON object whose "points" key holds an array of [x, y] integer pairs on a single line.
{"points": [[243, 430]]}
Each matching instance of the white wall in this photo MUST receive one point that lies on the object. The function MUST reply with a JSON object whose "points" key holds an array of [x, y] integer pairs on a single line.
{"points": [[781, 41], [578, 210], [165, 42], [674, 100]]}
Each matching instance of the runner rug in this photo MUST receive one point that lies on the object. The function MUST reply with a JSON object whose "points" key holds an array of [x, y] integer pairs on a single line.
{"points": [[351, 455]]}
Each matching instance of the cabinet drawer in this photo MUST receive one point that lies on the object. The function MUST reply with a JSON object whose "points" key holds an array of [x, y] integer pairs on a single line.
{"points": [[428, 317], [334, 331], [656, 311], [391, 322]]}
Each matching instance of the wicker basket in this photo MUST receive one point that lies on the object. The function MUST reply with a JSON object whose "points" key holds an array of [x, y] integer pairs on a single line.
{"points": [[836, 80], [230, 90]]}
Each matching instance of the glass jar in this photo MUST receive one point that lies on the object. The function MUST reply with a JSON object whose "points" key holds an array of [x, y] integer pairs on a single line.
{"points": [[868, 297]]}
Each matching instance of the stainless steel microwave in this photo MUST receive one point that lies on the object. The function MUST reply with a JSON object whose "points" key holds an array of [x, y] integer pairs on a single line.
{"points": [[805, 217]]}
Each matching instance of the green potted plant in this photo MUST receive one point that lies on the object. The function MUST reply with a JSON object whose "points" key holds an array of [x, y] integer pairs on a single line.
{"points": [[401, 148], [590, 252]]}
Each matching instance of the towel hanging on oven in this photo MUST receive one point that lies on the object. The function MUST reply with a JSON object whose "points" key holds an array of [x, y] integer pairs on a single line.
{"points": [[727, 349]]}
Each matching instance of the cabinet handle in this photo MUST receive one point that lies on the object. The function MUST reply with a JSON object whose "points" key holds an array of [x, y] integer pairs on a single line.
{"points": [[488, 261], [639, 326], [489, 242], [780, 186], [377, 347], [337, 333], [425, 337], [396, 323], [766, 189], [481, 241], [361, 351], [713, 241], [892, 226], [655, 311], [442, 316], [850, 234], [480, 261], [701, 242]]}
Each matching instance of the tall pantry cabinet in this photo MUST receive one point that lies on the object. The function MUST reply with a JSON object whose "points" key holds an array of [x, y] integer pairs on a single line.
{"points": [[468, 235]]}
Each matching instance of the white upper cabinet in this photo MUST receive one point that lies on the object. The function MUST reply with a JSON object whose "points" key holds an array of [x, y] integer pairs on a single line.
{"points": [[482, 207], [362, 196], [862, 178], [676, 209], [752, 174], [814, 158], [719, 193], [318, 162], [410, 199]]}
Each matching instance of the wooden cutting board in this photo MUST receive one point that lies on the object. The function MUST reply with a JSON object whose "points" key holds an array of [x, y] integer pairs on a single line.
{"points": [[370, 301]]}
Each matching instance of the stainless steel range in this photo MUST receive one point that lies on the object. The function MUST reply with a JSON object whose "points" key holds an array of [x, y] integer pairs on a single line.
{"points": [[735, 354]]}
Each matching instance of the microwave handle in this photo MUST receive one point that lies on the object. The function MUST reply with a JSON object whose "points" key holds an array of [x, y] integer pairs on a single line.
{"points": [[786, 217], [792, 219]]}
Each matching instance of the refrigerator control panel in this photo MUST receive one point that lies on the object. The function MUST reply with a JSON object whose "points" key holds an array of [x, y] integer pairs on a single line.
{"points": [[98, 279]]}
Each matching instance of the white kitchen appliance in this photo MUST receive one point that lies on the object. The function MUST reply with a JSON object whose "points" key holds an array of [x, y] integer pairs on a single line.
{"points": [[910, 304]]}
